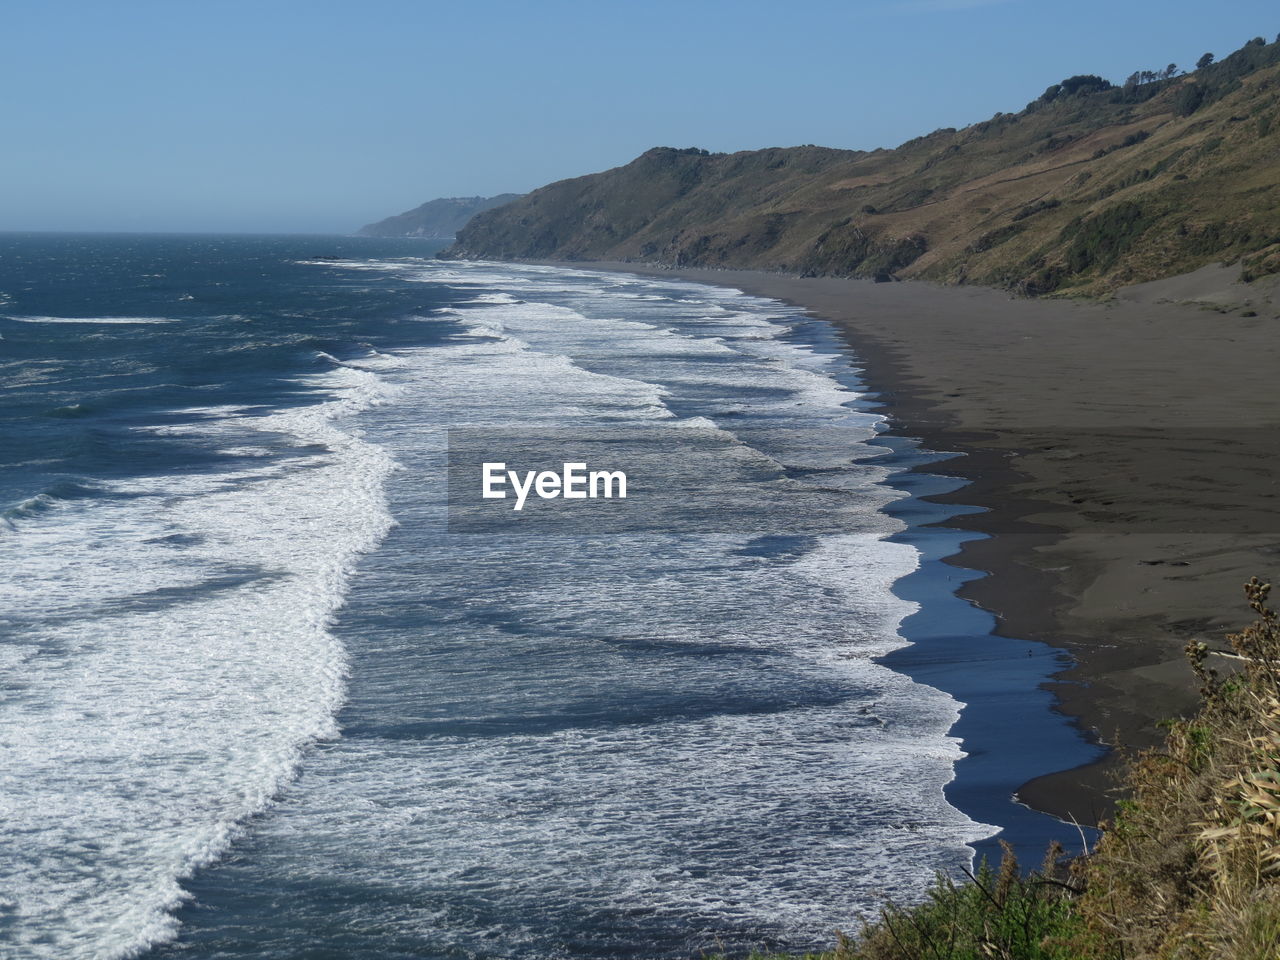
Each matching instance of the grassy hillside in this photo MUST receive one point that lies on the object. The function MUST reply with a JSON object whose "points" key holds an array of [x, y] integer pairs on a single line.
{"points": [[1092, 186]]}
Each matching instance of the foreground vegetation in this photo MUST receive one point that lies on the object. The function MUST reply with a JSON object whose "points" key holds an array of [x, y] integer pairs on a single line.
{"points": [[1189, 870], [1093, 185]]}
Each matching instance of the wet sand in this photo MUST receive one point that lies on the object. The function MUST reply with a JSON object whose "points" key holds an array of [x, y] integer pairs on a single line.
{"points": [[1127, 455]]}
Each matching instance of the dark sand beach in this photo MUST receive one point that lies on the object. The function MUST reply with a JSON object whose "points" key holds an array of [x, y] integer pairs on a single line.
{"points": [[1126, 454]]}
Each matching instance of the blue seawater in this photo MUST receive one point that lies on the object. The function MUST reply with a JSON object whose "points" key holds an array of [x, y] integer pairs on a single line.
{"points": [[258, 701]]}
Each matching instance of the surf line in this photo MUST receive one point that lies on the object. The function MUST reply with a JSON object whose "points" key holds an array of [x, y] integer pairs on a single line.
{"points": [[573, 482]]}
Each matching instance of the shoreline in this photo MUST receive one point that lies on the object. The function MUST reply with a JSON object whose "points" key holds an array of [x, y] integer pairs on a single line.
{"points": [[949, 644], [1125, 504]]}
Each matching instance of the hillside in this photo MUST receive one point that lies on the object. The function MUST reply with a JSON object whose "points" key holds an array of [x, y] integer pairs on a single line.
{"points": [[1090, 187], [436, 219]]}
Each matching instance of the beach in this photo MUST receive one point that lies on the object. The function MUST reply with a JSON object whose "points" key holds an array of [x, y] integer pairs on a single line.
{"points": [[1125, 456]]}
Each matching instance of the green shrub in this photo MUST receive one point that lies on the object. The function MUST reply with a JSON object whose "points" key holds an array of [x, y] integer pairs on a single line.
{"points": [[993, 238], [1098, 242], [994, 914]]}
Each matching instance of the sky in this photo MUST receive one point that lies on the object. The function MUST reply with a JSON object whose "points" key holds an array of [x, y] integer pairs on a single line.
{"points": [[311, 116]]}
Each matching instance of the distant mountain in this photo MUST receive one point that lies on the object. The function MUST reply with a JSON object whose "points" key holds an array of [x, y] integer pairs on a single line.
{"points": [[436, 219], [1091, 186]]}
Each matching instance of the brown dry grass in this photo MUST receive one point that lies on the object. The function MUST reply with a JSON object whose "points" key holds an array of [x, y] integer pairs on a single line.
{"points": [[1191, 867]]}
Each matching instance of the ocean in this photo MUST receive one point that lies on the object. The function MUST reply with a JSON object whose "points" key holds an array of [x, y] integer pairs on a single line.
{"points": [[263, 696]]}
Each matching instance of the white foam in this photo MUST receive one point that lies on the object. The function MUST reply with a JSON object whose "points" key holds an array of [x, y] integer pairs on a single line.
{"points": [[495, 381], [143, 733], [181, 719]]}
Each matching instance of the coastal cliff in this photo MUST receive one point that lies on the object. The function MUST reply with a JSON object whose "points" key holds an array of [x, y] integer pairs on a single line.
{"points": [[1092, 186]]}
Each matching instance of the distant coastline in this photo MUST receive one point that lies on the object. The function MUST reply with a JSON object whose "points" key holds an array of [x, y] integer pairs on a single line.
{"points": [[439, 219]]}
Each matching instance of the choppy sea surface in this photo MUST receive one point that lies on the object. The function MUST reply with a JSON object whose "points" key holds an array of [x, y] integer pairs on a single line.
{"points": [[257, 700]]}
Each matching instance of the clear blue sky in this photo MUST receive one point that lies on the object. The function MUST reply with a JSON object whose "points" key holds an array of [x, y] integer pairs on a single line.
{"points": [[318, 116]]}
